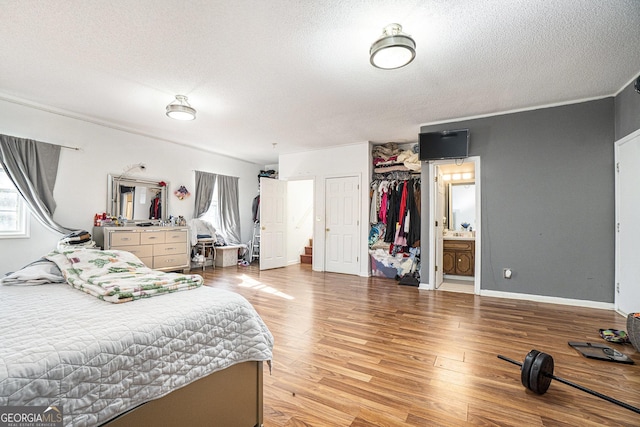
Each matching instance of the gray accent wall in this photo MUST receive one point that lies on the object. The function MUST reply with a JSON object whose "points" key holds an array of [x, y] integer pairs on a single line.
{"points": [[547, 183], [627, 111]]}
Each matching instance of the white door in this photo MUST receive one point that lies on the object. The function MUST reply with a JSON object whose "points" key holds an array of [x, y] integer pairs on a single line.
{"points": [[627, 295], [273, 227], [439, 224], [342, 234]]}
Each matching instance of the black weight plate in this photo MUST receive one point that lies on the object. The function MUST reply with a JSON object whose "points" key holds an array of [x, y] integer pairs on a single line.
{"points": [[525, 370], [541, 373]]}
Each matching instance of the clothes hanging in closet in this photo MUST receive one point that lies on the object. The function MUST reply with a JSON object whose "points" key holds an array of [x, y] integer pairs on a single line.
{"points": [[413, 234], [397, 204], [393, 212], [155, 211], [255, 208]]}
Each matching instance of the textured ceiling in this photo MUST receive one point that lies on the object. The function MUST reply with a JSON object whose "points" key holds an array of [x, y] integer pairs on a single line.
{"points": [[297, 73]]}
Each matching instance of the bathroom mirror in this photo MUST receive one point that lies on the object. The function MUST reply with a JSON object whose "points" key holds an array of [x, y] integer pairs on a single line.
{"points": [[136, 200], [461, 206]]}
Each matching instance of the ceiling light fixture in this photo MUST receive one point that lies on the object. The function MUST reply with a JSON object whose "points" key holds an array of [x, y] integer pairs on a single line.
{"points": [[394, 49], [180, 109]]}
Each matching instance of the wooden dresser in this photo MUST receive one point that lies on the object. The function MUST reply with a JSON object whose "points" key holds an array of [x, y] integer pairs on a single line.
{"points": [[458, 257], [160, 248]]}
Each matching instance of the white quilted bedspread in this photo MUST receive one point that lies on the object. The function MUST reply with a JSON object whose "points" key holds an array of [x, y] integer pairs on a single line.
{"points": [[59, 346]]}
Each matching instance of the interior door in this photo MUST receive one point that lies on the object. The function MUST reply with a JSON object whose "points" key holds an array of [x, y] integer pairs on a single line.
{"points": [[440, 206], [273, 227], [342, 234], [627, 295]]}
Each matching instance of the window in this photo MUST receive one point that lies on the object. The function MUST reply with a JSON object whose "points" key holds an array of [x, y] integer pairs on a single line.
{"points": [[212, 215], [13, 211]]}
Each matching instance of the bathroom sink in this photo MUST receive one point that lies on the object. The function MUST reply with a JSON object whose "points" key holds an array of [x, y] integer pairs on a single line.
{"points": [[459, 235]]}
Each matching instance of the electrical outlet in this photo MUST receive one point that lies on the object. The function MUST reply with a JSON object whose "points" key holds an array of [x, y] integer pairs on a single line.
{"points": [[507, 273]]}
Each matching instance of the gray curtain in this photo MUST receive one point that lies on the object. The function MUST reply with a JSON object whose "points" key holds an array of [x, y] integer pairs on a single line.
{"points": [[228, 206], [32, 166], [205, 183]]}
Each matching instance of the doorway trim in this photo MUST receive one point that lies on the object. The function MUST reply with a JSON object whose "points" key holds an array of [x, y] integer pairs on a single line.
{"points": [[432, 228]]}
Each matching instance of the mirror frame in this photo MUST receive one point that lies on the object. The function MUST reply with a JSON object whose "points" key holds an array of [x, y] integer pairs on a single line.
{"points": [[113, 196]]}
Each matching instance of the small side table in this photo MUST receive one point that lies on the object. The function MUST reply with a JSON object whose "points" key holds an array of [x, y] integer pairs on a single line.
{"points": [[208, 250]]}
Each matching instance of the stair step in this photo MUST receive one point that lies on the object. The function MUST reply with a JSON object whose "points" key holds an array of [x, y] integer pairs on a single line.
{"points": [[305, 259], [308, 250]]}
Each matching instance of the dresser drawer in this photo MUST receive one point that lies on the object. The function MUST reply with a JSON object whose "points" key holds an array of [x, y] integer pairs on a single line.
{"points": [[161, 248], [141, 251], [124, 239], [169, 249], [152, 237], [458, 245], [175, 236], [169, 261]]}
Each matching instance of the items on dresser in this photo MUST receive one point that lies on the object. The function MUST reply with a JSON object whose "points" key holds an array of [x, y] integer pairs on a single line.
{"points": [[160, 248]]}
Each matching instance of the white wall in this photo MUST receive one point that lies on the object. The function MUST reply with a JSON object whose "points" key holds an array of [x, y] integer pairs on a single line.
{"points": [[348, 160], [81, 186]]}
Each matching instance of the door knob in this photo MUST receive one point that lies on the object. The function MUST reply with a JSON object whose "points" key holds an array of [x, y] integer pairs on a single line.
{"points": [[328, 230]]}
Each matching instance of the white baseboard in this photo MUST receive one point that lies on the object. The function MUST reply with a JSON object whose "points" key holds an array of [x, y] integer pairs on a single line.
{"points": [[537, 298], [547, 299]]}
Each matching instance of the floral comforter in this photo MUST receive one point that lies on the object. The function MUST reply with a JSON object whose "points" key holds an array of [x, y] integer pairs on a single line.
{"points": [[117, 276]]}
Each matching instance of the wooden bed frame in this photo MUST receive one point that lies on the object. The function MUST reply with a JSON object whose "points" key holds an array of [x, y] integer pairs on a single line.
{"points": [[231, 397]]}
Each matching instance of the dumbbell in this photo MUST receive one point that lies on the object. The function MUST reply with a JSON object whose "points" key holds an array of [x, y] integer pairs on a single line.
{"points": [[536, 373]]}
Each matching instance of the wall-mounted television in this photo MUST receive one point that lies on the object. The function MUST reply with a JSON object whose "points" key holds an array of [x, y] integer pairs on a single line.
{"points": [[451, 144]]}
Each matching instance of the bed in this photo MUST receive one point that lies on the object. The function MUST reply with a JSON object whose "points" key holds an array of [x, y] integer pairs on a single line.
{"points": [[192, 356]]}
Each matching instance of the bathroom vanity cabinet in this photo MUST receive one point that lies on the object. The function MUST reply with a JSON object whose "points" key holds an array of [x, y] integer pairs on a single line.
{"points": [[458, 257]]}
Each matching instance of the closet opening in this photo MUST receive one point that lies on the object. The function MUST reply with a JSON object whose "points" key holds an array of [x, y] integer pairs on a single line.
{"points": [[394, 220], [455, 231]]}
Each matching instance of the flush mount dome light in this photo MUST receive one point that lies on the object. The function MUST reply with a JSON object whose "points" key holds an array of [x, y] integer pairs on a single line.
{"points": [[180, 109], [394, 49]]}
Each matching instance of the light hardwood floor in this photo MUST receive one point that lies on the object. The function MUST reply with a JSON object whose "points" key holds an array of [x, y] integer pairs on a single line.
{"points": [[354, 351]]}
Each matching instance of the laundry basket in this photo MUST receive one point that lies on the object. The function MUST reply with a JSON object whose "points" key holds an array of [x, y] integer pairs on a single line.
{"points": [[633, 329]]}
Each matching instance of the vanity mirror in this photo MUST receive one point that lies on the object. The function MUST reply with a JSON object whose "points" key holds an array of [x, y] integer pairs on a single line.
{"points": [[136, 200], [461, 206]]}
